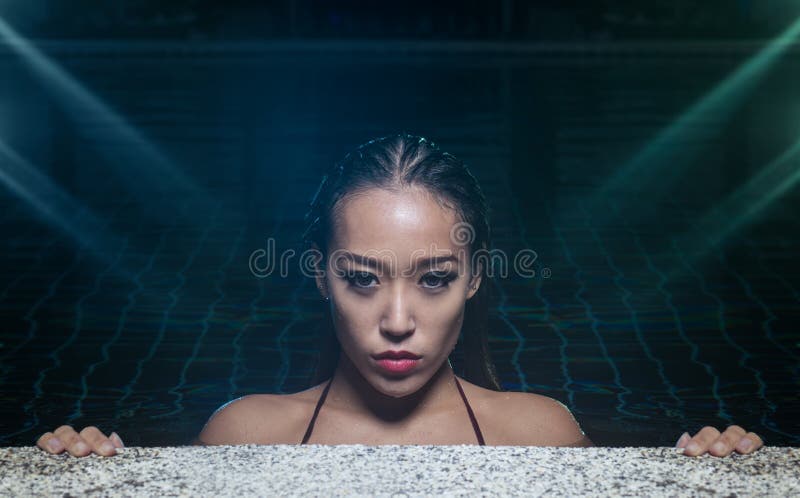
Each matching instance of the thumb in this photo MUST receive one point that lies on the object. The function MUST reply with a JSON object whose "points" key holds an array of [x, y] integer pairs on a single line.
{"points": [[685, 437], [114, 437]]}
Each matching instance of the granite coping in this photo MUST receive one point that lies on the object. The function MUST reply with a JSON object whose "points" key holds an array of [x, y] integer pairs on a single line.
{"points": [[398, 471]]}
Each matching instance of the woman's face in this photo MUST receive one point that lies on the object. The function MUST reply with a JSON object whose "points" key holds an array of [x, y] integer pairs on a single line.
{"points": [[403, 302]]}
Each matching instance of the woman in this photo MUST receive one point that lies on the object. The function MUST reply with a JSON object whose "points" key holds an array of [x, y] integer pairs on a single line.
{"points": [[403, 284]]}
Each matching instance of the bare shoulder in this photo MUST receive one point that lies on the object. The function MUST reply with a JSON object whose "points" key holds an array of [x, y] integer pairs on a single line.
{"points": [[252, 419], [529, 419]]}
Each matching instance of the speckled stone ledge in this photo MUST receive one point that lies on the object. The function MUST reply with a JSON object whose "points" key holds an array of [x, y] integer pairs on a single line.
{"points": [[347, 470]]}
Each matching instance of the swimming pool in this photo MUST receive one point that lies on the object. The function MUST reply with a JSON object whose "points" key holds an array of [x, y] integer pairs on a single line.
{"points": [[140, 314]]}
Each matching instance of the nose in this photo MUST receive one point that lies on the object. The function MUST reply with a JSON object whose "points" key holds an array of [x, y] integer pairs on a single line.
{"points": [[397, 318]]}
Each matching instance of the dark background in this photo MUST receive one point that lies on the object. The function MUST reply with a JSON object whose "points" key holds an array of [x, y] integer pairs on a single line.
{"points": [[647, 151], [547, 20]]}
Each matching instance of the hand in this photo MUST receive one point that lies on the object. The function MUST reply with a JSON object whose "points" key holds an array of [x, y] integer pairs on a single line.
{"points": [[88, 441], [709, 439]]}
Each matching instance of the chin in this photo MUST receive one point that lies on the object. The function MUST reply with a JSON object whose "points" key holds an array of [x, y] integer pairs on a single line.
{"points": [[401, 387]]}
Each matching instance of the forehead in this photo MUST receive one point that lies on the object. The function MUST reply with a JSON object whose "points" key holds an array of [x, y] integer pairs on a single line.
{"points": [[405, 220]]}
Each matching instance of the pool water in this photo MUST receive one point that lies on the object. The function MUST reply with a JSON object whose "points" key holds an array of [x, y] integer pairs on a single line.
{"points": [[126, 292]]}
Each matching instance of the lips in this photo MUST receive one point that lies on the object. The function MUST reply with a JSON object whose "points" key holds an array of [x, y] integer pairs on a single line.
{"points": [[397, 355], [401, 366]]}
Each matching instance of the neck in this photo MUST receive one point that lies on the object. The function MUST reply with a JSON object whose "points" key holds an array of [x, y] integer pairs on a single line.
{"points": [[350, 389]]}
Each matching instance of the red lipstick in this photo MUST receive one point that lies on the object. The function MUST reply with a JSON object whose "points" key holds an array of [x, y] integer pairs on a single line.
{"points": [[397, 361], [397, 355]]}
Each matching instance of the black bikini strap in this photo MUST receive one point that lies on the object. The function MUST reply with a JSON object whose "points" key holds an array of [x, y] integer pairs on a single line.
{"points": [[316, 411], [471, 415], [324, 395]]}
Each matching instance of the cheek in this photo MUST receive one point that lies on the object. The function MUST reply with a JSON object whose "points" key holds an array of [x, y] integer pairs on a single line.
{"points": [[354, 318], [447, 311], [444, 316]]}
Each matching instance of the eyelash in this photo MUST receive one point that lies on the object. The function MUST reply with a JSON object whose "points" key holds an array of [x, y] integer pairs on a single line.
{"points": [[444, 279]]}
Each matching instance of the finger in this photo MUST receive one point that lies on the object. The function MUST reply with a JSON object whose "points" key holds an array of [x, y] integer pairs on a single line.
{"points": [[98, 441], [114, 437], [725, 443], [701, 441], [749, 443], [50, 443], [72, 441], [683, 440]]}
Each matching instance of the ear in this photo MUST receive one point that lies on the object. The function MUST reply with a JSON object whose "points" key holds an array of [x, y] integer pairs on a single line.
{"points": [[475, 283], [322, 285]]}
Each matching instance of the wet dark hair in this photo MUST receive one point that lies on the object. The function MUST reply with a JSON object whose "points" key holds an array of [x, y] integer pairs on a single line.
{"points": [[395, 162]]}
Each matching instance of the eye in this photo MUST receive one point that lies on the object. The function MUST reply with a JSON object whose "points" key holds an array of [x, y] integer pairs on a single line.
{"points": [[360, 279], [438, 280]]}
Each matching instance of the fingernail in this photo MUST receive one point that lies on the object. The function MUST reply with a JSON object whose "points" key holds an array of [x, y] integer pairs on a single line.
{"points": [[719, 446], [744, 444], [55, 445], [692, 447], [680, 439], [115, 435], [107, 447], [81, 447]]}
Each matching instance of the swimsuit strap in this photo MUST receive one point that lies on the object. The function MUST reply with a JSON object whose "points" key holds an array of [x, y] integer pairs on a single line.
{"points": [[324, 395], [316, 411], [471, 415]]}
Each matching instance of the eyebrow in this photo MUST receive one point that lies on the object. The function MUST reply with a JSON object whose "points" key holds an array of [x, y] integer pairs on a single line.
{"points": [[378, 264]]}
